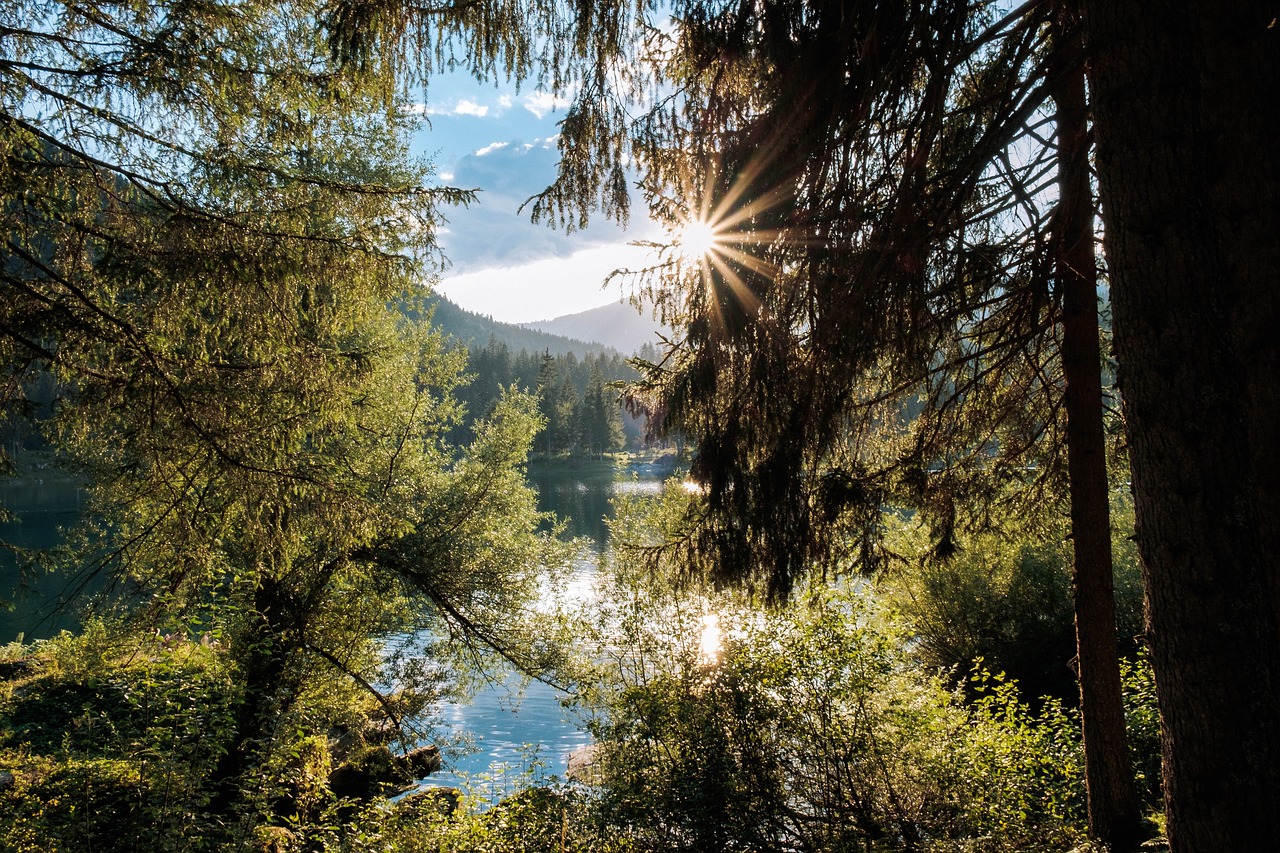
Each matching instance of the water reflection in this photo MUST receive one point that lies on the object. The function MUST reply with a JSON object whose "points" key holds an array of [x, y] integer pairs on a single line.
{"points": [[38, 510], [533, 732], [582, 496]]}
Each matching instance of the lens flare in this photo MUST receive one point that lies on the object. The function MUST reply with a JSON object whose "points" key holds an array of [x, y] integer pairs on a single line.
{"points": [[697, 240]]}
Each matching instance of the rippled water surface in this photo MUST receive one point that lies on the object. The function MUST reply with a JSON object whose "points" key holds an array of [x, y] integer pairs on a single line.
{"points": [[532, 731]]}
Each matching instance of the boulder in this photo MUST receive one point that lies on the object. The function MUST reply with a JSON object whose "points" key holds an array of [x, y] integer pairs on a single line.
{"points": [[582, 764], [431, 801], [377, 772]]}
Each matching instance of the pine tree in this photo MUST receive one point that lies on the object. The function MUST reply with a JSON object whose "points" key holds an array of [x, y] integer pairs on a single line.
{"points": [[207, 222]]}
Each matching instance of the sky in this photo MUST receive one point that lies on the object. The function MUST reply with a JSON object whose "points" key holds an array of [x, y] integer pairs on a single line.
{"points": [[502, 142]]}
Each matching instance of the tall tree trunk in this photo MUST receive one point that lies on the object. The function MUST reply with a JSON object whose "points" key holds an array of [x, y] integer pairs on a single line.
{"points": [[263, 661], [1112, 798], [1184, 105]]}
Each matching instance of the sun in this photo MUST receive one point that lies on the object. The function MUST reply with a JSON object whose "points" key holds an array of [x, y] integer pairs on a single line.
{"points": [[696, 240]]}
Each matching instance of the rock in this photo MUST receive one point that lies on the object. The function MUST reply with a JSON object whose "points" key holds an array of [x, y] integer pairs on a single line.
{"points": [[582, 764], [432, 801], [380, 731], [421, 762], [6, 780], [377, 772], [365, 777]]}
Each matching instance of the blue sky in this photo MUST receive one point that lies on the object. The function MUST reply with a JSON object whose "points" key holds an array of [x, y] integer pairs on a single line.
{"points": [[502, 142]]}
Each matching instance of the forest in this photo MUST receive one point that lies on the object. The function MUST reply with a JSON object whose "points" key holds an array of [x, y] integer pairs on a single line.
{"points": [[581, 414], [973, 356]]}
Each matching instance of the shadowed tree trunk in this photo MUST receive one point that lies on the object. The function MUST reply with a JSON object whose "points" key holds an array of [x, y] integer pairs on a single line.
{"points": [[1113, 802], [263, 660], [1184, 96]]}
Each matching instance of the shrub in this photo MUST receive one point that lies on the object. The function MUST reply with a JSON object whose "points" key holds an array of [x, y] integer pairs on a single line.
{"points": [[813, 730], [1004, 596], [108, 745]]}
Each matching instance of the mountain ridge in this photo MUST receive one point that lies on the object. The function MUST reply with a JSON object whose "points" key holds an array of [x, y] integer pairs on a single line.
{"points": [[618, 327], [476, 330]]}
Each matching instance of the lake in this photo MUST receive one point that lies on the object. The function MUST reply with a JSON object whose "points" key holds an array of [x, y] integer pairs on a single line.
{"points": [[511, 730], [532, 731], [39, 508]]}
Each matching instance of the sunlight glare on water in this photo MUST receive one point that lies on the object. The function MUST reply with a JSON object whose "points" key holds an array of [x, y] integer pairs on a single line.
{"points": [[709, 642]]}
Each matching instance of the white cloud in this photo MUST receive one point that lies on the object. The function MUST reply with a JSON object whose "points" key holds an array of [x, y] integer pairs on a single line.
{"points": [[504, 102], [541, 103], [470, 108], [461, 107], [445, 176], [546, 288], [491, 147], [496, 231]]}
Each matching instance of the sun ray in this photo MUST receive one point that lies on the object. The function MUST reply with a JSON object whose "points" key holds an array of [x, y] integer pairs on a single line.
{"points": [[755, 263], [740, 289]]}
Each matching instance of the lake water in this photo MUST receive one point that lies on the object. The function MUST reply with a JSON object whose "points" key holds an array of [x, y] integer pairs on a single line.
{"points": [[38, 509], [531, 731], [512, 730]]}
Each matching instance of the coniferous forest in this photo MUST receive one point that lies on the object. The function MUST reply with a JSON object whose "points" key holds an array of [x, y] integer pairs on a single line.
{"points": [[577, 397], [971, 369]]}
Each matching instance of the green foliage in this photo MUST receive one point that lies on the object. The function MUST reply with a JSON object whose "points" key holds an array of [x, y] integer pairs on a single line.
{"points": [[811, 728], [81, 804], [1026, 768], [1003, 595], [813, 731], [535, 820], [110, 741]]}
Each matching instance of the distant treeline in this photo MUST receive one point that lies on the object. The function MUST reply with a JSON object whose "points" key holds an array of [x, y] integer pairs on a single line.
{"points": [[578, 396], [474, 329]]}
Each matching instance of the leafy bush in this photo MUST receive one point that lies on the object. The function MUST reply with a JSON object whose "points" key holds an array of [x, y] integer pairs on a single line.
{"points": [[1004, 596], [1024, 769], [549, 819], [813, 730], [109, 745]]}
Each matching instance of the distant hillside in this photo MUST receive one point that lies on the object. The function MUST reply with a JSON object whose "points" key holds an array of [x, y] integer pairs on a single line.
{"points": [[475, 331], [618, 325]]}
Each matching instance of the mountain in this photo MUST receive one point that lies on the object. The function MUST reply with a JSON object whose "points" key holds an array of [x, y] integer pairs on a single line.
{"points": [[475, 330], [618, 325]]}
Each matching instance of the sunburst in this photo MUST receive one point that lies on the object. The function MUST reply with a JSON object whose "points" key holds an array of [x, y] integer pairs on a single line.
{"points": [[722, 242], [696, 240]]}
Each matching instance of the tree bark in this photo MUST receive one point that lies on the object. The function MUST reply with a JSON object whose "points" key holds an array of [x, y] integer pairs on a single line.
{"points": [[1112, 798], [1184, 96], [263, 662]]}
